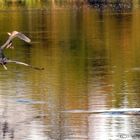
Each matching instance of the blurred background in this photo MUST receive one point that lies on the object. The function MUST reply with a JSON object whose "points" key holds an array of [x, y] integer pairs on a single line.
{"points": [[90, 50]]}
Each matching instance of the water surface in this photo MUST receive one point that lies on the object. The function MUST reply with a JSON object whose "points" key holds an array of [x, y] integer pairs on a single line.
{"points": [[91, 61]]}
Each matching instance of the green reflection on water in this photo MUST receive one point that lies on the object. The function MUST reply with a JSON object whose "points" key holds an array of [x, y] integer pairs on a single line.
{"points": [[82, 49], [91, 60]]}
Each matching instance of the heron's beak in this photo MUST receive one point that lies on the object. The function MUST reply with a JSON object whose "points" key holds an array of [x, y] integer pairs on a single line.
{"points": [[4, 66]]}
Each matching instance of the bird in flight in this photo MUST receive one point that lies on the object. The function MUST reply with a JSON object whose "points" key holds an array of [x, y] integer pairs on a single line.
{"points": [[8, 44]]}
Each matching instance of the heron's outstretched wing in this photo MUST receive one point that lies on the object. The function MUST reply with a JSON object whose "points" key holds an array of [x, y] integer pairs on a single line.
{"points": [[25, 64], [12, 36]]}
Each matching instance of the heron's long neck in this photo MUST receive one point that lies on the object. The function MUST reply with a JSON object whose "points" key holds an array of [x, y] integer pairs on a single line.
{"points": [[1, 53]]}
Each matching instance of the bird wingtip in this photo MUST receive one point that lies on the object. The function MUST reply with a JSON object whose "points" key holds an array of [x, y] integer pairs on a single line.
{"points": [[9, 33]]}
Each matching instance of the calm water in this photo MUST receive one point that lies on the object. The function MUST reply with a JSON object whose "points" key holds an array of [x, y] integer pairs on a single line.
{"points": [[92, 63]]}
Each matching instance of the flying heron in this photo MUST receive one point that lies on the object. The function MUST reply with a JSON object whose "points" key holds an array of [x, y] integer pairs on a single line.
{"points": [[8, 44]]}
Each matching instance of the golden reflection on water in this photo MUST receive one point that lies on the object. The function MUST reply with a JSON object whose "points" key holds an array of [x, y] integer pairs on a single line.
{"points": [[91, 62]]}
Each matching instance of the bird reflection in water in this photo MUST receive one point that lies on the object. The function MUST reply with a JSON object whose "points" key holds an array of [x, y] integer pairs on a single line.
{"points": [[8, 44]]}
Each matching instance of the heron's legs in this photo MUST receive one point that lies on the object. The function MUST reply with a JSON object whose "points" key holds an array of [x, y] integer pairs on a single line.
{"points": [[25, 64]]}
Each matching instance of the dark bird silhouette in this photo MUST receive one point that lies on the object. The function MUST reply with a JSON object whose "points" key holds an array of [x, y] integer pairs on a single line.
{"points": [[8, 44]]}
